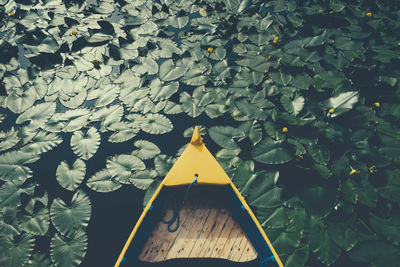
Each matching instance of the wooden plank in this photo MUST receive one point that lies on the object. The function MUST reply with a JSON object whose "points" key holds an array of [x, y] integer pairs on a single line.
{"points": [[237, 248], [194, 233], [169, 237], [186, 226], [223, 238], [205, 231], [249, 252], [153, 243], [228, 247], [215, 233]]}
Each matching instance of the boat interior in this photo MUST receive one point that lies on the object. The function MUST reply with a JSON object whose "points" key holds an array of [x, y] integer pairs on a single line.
{"points": [[197, 225]]}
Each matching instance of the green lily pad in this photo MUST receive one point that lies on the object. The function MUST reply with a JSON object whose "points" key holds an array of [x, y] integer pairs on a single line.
{"points": [[375, 252], [298, 258], [189, 106], [243, 173], [42, 142], [156, 124], [85, 144], [318, 200], [323, 246], [18, 250], [38, 114], [293, 106], [10, 192], [122, 167], [18, 101], [68, 251], [143, 179], [252, 130], [71, 177], [224, 136], [12, 165], [160, 91], [145, 149], [269, 152], [341, 103], [37, 223], [8, 139], [102, 181], [39, 260], [71, 218], [170, 70], [163, 164]]}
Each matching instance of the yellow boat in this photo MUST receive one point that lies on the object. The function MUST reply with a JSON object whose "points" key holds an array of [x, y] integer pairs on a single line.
{"points": [[197, 212]]}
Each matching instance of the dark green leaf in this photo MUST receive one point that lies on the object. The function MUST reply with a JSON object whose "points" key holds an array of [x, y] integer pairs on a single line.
{"points": [[269, 152]]}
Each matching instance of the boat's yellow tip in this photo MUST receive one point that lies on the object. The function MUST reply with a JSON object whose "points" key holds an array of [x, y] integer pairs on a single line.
{"points": [[196, 137]]}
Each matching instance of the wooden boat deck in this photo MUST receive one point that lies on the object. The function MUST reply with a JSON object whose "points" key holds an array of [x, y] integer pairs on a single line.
{"points": [[205, 231]]}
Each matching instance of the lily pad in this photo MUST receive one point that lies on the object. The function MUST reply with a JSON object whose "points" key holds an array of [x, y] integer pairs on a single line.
{"points": [[145, 149], [122, 167], [38, 114], [42, 142], [10, 192], [71, 177], [102, 181], [8, 139], [269, 152], [143, 179], [156, 124], [160, 91], [70, 219], [39, 260], [85, 144], [68, 251], [318, 200], [12, 165], [341, 103], [37, 223], [18, 250], [224, 136], [170, 70]]}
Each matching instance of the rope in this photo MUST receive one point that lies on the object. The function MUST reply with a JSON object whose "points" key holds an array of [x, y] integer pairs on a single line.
{"points": [[177, 209]]}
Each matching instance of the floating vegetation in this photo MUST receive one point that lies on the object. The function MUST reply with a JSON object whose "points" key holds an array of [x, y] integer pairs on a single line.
{"points": [[299, 99]]}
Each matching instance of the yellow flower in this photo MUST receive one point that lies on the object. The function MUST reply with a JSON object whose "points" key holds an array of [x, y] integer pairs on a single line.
{"points": [[331, 111], [331, 12], [203, 12], [354, 171], [73, 32], [377, 104], [12, 14], [95, 62], [210, 49], [372, 169], [369, 14], [285, 129], [275, 40]]}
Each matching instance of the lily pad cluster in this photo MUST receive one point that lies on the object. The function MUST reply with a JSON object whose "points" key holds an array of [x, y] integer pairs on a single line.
{"points": [[300, 98]]}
